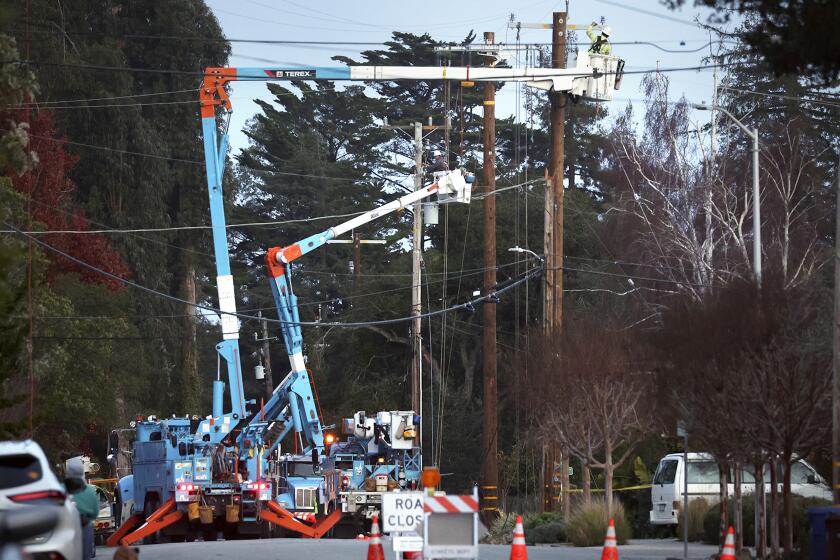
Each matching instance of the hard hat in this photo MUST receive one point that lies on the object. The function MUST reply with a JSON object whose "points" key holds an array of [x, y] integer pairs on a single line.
{"points": [[436, 153], [74, 468], [606, 31]]}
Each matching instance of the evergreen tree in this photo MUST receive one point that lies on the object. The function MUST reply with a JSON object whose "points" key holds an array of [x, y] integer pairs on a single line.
{"points": [[116, 187]]}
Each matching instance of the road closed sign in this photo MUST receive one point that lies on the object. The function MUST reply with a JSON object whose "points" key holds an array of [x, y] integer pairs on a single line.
{"points": [[402, 511]]}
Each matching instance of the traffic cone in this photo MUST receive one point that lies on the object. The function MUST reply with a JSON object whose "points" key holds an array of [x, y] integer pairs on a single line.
{"points": [[517, 549], [375, 550], [728, 552], [610, 551]]}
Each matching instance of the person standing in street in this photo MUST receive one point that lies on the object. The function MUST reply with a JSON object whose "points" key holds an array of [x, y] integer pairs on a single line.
{"points": [[87, 502]]}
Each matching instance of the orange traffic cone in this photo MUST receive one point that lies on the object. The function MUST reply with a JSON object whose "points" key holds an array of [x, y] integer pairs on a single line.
{"points": [[728, 552], [517, 549], [375, 550], [610, 551]]}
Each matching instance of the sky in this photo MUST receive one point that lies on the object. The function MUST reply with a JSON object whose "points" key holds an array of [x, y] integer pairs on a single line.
{"points": [[374, 20]]}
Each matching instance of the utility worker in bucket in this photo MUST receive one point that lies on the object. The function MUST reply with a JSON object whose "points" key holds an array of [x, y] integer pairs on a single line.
{"points": [[437, 164], [601, 42]]}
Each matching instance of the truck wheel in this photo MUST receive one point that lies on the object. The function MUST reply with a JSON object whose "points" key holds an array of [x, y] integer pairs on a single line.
{"points": [[150, 505], [266, 530], [209, 535]]}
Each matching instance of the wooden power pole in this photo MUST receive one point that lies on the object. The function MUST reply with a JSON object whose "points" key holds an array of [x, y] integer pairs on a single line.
{"points": [[835, 411], [417, 129], [490, 498], [553, 245]]}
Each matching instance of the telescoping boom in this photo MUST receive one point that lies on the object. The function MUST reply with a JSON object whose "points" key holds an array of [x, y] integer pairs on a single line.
{"points": [[231, 457]]}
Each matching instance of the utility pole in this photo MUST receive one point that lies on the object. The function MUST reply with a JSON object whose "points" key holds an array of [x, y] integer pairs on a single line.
{"points": [[416, 293], [490, 436], [416, 258], [357, 257], [553, 246], [266, 356], [835, 410]]}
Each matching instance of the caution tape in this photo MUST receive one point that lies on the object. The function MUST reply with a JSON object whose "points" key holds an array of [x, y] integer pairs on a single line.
{"points": [[625, 489]]}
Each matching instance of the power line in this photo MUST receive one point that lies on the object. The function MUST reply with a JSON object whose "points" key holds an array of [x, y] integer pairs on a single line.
{"points": [[491, 297], [782, 96], [634, 277], [110, 105], [648, 12], [115, 150], [236, 226], [187, 228], [181, 160], [121, 338], [328, 43], [109, 98], [71, 214]]}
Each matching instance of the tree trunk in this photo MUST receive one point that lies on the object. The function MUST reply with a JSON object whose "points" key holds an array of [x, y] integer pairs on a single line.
{"points": [[774, 508], [566, 495], [189, 358], [468, 355], [787, 506], [761, 516], [737, 507], [608, 477], [587, 482], [724, 496]]}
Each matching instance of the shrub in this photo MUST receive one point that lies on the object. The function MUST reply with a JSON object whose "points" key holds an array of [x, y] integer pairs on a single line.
{"points": [[801, 529], [501, 529], [697, 509], [552, 532], [588, 524], [536, 519], [546, 527], [711, 522]]}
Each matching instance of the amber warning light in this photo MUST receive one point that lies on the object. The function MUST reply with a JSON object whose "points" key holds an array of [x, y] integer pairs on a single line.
{"points": [[430, 477]]}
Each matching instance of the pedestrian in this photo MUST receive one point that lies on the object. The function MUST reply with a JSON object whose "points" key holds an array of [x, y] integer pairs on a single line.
{"points": [[87, 502], [600, 43]]}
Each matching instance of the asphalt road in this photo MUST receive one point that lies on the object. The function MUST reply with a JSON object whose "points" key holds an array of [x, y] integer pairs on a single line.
{"points": [[327, 549]]}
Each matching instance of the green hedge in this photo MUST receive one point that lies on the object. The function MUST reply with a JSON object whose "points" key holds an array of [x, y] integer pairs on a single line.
{"points": [[545, 527], [711, 521]]}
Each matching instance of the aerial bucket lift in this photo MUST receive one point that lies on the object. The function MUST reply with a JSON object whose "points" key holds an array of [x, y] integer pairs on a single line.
{"points": [[251, 438]]}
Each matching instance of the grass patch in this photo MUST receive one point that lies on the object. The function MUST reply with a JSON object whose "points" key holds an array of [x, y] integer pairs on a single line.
{"points": [[588, 523]]}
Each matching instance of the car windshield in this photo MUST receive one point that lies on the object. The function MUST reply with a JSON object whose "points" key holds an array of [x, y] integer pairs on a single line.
{"points": [[666, 472], [18, 470]]}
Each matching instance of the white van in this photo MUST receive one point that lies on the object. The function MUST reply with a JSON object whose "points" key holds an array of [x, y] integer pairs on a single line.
{"points": [[704, 482]]}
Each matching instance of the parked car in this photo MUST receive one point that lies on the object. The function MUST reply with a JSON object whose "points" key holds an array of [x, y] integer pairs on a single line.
{"points": [[27, 480], [104, 524], [704, 482], [20, 524]]}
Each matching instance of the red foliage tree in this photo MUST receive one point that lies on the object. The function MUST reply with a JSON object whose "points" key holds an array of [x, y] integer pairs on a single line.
{"points": [[51, 192]]}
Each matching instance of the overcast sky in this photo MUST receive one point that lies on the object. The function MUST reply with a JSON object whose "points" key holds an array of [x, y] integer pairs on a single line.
{"points": [[374, 20]]}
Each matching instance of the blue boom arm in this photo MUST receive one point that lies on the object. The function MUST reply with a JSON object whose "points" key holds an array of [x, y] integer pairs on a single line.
{"points": [[293, 397]]}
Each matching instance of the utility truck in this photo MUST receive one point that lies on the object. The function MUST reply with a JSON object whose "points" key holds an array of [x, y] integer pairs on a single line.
{"points": [[227, 470], [381, 454]]}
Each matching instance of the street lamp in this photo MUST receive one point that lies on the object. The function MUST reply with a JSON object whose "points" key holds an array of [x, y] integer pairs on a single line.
{"points": [[519, 249], [753, 134]]}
